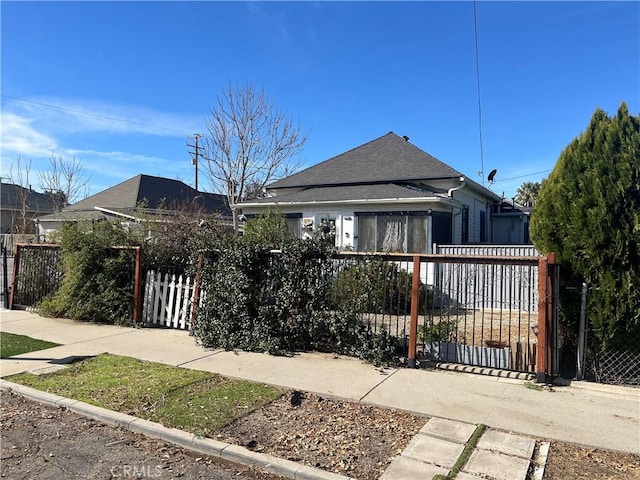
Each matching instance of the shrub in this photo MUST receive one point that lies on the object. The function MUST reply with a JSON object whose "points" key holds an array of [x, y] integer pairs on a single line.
{"points": [[269, 229], [98, 280], [376, 286], [279, 303], [166, 246], [443, 331], [587, 213]]}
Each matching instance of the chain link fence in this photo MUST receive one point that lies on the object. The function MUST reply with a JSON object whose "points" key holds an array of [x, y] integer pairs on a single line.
{"points": [[620, 363]]}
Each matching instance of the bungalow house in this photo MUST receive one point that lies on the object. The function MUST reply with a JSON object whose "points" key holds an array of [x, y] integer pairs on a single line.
{"points": [[20, 206], [384, 196], [140, 197]]}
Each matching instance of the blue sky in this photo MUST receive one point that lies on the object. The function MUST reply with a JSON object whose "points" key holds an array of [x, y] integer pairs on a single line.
{"points": [[120, 85]]}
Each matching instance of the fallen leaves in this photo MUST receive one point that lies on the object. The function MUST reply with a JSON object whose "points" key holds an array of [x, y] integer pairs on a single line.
{"points": [[339, 436]]}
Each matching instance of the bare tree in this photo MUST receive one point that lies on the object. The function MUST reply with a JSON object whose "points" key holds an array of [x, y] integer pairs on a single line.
{"points": [[249, 143], [65, 182], [20, 177]]}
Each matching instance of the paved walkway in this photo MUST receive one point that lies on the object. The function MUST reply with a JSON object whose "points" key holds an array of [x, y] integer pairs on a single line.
{"points": [[593, 415]]}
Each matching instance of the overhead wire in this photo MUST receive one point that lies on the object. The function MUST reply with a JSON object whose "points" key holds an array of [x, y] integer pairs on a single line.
{"points": [[523, 176], [475, 28]]}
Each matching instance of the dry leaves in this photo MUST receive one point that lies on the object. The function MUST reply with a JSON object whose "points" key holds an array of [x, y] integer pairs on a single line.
{"points": [[343, 437]]}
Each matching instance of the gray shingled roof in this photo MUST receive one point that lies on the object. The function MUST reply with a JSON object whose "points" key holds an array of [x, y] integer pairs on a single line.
{"points": [[389, 158], [11, 197], [157, 191], [345, 193]]}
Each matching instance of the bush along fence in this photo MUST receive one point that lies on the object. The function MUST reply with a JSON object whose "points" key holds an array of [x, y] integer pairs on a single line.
{"points": [[427, 308], [456, 309], [106, 288]]}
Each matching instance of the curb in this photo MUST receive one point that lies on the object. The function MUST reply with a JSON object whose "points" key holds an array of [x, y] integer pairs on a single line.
{"points": [[223, 451]]}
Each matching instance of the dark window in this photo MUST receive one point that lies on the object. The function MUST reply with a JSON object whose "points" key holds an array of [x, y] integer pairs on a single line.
{"points": [[465, 224], [441, 222], [483, 226]]}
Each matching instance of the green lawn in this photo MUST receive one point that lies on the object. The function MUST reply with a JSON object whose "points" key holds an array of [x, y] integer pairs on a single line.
{"points": [[195, 401], [11, 344]]}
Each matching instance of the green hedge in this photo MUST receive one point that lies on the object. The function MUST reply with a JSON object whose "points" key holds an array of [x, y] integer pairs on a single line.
{"points": [[279, 303], [97, 284]]}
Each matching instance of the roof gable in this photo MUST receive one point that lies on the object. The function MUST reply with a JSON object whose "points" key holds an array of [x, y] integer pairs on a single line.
{"points": [[386, 159], [154, 191], [11, 197]]}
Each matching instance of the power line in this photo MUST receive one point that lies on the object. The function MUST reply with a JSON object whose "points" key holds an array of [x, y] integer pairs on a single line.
{"points": [[90, 115], [475, 29], [523, 176]]}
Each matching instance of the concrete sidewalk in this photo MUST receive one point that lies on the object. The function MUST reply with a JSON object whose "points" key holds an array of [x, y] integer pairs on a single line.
{"points": [[593, 415]]}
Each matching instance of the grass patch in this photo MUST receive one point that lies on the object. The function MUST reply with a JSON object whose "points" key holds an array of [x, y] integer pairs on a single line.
{"points": [[533, 386], [199, 402], [12, 344], [464, 456]]}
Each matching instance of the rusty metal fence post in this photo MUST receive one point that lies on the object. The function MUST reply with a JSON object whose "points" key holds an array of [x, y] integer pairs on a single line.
{"points": [[547, 321]]}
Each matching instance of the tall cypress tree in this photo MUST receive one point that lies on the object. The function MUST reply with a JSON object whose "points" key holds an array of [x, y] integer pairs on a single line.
{"points": [[588, 213]]}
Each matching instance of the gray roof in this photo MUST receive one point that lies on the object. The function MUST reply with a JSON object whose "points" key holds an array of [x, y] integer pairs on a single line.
{"points": [[386, 159], [346, 192], [11, 198], [154, 191]]}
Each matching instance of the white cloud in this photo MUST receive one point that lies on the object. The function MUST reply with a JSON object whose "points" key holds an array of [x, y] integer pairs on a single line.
{"points": [[72, 116], [34, 129], [19, 137]]}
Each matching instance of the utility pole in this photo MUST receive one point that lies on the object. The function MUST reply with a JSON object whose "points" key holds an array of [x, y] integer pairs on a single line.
{"points": [[195, 153]]}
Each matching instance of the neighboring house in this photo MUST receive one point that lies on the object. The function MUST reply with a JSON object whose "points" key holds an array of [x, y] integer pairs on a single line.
{"points": [[385, 196], [142, 197], [510, 223], [20, 206]]}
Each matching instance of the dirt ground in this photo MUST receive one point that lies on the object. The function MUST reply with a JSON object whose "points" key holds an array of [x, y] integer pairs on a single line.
{"points": [[40, 442], [351, 439], [572, 462]]}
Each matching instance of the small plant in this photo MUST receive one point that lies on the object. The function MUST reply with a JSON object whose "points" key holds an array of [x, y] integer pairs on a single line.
{"points": [[533, 386], [443, 331]]}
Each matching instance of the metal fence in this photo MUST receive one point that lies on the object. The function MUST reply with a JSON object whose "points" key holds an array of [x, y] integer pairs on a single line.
{"points": [[614, 361], [473, 310], [457, 309], [36, 274]]}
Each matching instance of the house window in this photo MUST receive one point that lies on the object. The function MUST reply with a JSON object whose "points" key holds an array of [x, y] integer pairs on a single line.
{"points": [[465, 224], [396, 232], [441, 225], [417, 234], [483, 226], [367, 233], [391, 233], [293, 224]]}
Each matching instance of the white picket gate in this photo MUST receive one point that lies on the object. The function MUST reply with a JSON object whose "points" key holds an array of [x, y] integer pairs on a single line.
{"points": [[168, 300]]}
